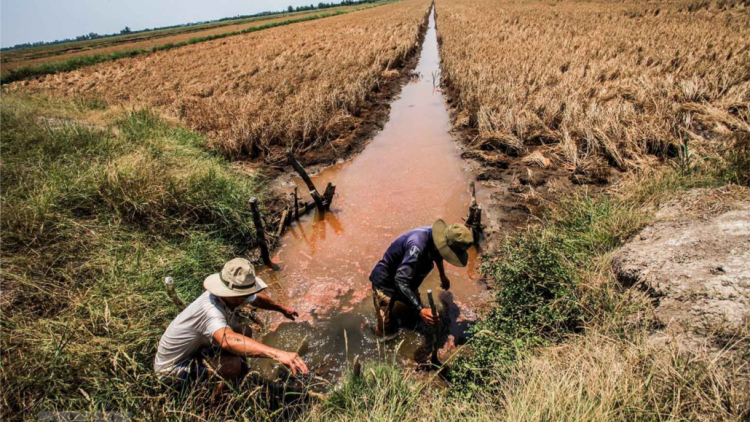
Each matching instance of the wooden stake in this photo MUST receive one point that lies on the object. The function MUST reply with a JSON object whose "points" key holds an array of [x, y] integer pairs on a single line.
{"points": [[328, 194], [261, 234], [474, 220], [303, 174], [435, 329], [282, 222], [169, 284], [296, 204]]}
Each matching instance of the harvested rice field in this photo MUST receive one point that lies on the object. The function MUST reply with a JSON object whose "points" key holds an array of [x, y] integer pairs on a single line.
{"points": [[146, 40], [255, 95], [588, 85]]}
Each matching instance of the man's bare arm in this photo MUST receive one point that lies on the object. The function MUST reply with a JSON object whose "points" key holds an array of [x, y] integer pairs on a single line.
{"points": [[264, 302], [238, 344]]}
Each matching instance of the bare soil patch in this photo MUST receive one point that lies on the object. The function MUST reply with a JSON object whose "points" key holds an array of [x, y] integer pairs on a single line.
{"points": [[695, 262]]}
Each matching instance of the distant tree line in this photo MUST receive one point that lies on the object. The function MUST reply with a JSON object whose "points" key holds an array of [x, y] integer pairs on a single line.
{"points": [[127, 30], [323, 5]]}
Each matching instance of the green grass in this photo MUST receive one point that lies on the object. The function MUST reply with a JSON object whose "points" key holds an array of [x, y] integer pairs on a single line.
{"points": [[538, 277], [383, 392], [93, 220], [550, 280]]}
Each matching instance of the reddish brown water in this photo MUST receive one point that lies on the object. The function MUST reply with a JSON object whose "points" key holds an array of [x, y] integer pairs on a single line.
{"points": [[409, 175]]}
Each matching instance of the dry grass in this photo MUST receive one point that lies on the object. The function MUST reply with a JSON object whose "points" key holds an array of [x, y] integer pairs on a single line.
{"points": [[590, 378], [15, 59], [587, 81], [599, 378], [256, 94]]}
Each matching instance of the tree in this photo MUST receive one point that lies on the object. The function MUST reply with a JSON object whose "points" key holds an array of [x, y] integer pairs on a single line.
{"points": [[126, 30], [290, 9]]}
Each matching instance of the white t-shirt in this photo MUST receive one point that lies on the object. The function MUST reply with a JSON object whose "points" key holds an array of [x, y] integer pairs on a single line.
{"points": [[193, 329]]}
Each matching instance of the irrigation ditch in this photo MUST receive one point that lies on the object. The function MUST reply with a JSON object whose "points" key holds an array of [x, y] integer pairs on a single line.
{"points": [[406, 164], [318, 250]]}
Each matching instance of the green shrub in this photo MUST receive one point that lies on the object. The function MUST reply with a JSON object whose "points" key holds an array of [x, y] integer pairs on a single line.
{"points": [[536, 278]]}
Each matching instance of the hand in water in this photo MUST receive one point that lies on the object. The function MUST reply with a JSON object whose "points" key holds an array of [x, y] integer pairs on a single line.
{"points": [[445, 283], [426, 315], [290, 313], [292, 361]]}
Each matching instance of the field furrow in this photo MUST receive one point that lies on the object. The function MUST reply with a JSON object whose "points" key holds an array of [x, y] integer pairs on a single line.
{"points": [[590, 85], [256, 94]]}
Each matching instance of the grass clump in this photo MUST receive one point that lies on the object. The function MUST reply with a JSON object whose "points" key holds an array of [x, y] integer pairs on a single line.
{"points": [[538, 278], [93, 219], [383, 392]]}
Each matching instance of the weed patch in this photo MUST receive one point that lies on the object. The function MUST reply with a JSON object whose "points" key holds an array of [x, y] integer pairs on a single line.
{"points": [[93, 220]]}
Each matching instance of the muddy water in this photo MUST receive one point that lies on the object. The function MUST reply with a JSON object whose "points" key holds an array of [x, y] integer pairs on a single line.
{"points": [[409, 175]]}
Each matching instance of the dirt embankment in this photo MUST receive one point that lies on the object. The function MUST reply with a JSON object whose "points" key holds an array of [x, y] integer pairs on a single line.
{"points": [[694, 260]]}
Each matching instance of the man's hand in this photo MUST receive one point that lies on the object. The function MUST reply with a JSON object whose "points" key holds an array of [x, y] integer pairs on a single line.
{"points": [[290, 313], [445, 283], [292, 361], [426, 315], [264, 302]]}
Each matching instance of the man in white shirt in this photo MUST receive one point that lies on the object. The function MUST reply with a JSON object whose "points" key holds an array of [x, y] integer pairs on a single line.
{"points": [[208, 330]]}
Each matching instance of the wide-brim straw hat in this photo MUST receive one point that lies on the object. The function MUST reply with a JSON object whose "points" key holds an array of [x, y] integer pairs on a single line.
{"points": [[452, 242], [237, 278]]}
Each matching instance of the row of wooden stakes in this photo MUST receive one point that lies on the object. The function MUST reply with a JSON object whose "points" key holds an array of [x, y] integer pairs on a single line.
{"points": [[323, 204], [292, 211]]}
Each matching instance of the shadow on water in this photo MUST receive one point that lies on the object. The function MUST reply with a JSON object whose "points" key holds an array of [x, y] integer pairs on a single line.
{"points": [[409, 175]]}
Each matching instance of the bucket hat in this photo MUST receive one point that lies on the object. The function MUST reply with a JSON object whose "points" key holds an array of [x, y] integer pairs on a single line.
{"points": [[452, 242], [237, 278]]}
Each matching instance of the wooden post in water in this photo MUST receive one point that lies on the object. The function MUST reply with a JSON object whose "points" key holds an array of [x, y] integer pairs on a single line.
{"points": [[435, 329], [296, 204], [282, 222], [261, 234], [474, 220], [303, 174], [328, 194]]}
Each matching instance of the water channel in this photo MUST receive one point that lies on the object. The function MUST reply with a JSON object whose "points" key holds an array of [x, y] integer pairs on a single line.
{"points": [[409, 175]]}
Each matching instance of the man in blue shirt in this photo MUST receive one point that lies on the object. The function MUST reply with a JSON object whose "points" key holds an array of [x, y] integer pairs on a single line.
{"points": [[406, 263]]}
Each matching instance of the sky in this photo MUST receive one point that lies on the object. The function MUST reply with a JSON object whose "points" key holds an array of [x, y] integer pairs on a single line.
{"points": [[24, 21]]}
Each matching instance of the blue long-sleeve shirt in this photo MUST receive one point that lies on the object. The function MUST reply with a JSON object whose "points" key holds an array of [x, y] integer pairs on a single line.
{"points": [[405, 265]]}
